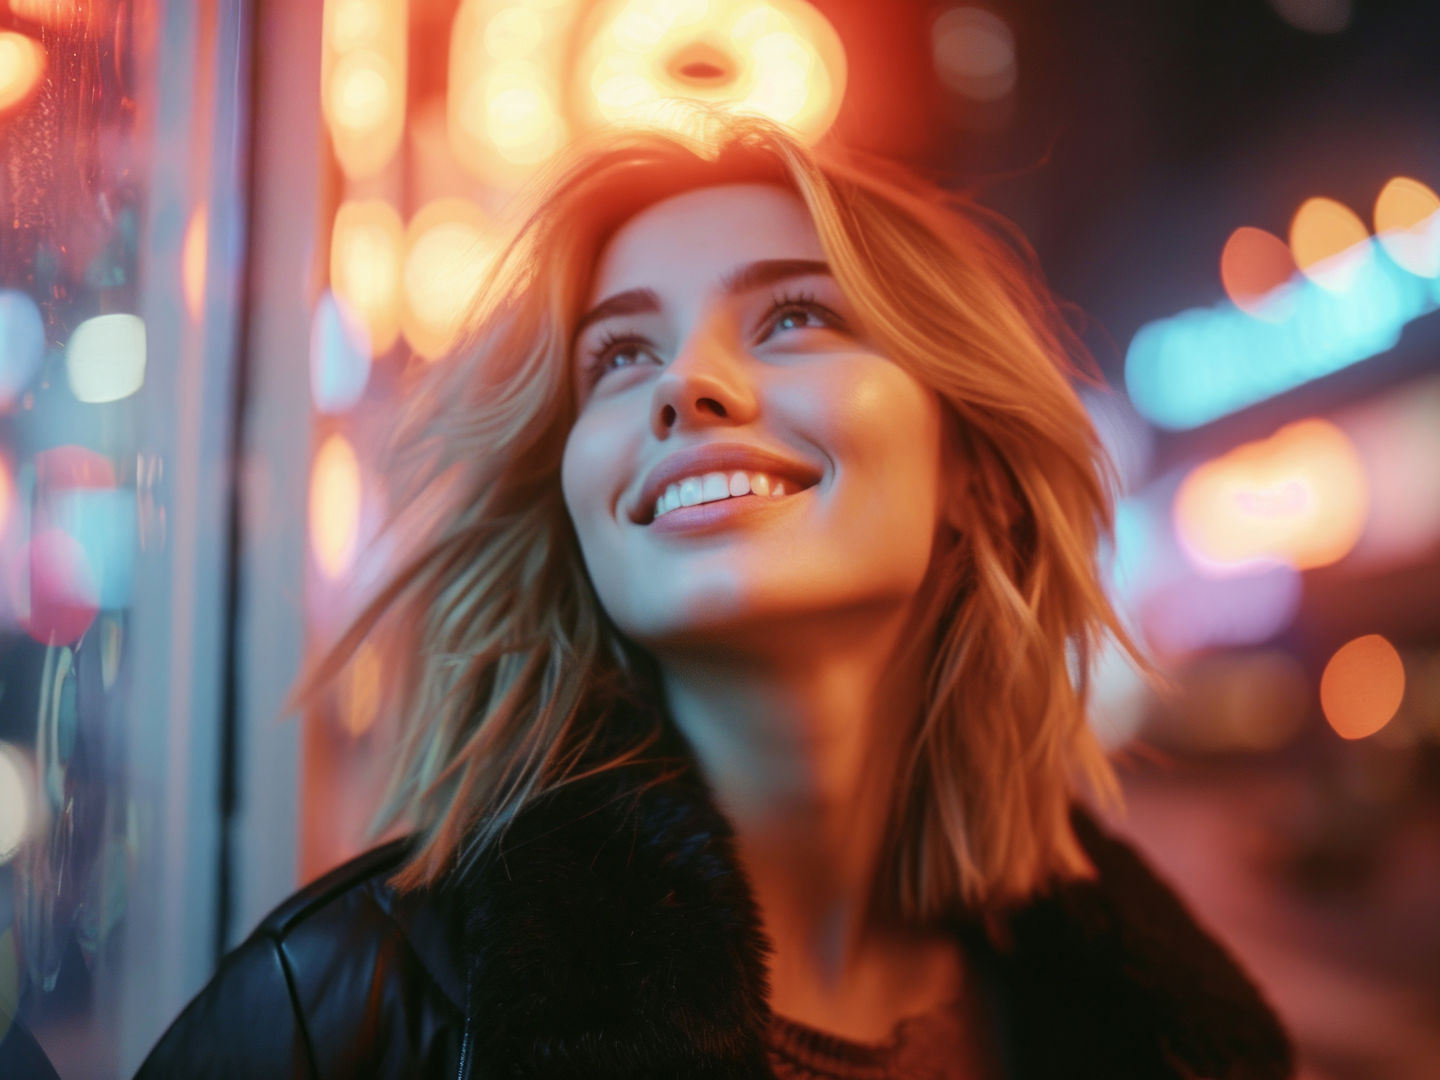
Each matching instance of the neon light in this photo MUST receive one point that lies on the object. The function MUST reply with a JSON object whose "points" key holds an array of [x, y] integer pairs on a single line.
{"points": [[1200, 365], [105, 359], [335, 498], [22, 62], [1362, 686], [1407, 224], [1297, 498], [777, 58]]}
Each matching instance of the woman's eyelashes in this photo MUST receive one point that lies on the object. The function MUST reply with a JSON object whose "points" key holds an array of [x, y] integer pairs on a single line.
{"points": [[615, 346]]}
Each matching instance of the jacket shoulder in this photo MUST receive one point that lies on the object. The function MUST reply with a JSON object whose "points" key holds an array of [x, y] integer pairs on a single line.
{"points": [[346, 954], [365, 873], [1163, 995]]}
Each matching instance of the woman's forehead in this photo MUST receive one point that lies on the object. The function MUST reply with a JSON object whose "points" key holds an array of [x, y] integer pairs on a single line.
{"points": [[694, 237]]}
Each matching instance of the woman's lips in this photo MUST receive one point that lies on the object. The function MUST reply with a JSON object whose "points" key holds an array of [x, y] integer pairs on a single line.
{"points": [[708, 517]]}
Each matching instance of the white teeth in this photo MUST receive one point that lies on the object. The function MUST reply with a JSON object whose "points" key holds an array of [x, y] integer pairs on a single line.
{"points": [[714, 486]]}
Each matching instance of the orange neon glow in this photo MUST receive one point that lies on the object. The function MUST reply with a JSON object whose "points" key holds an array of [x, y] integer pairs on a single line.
{"points": [[361, 698], [22, 62], [192, 261], [1326, 238], [1299, 497], [1362, 686], [504, 110], [365, 249], [363, 81], [1407, 223], [334, 506], [1253, 264], [777, 58], [447, 251]]}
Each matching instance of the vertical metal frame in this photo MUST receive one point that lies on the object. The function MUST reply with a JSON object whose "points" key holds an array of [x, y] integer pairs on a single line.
{"points": [[181, 630], [284, 267]]}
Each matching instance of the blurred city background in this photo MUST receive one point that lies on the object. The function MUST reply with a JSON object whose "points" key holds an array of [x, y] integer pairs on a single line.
{"points": [[227, 226]]}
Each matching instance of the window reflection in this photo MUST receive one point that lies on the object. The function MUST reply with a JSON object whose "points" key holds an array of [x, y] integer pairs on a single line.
{"points": [[73, 355]]}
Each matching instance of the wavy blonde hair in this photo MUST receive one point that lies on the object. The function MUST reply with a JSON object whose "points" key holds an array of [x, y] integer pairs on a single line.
{"points": [[497, 656]]}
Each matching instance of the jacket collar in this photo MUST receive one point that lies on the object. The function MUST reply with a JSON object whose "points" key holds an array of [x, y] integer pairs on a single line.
{"points": [[616, 936]]}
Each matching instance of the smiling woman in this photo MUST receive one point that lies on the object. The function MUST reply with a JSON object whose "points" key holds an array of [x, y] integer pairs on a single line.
{"points": [[741, 670]]}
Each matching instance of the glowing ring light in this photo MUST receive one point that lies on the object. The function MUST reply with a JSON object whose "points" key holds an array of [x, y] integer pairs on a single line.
{"points": [[776, 58]]}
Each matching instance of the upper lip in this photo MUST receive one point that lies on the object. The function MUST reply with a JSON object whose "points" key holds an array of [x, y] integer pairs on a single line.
{"points": [[715, 457]]}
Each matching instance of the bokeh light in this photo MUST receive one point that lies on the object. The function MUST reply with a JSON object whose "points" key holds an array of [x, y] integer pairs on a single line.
{"points": [[65, 467], [1314, 16], [1397, 435], [365, 249], [105, 358], [1407, 224], [1188, 614], [360, 703], [1362, 686], [334, 506], [1328, 240], [1297, 498], [193, 254], [974, 53], [1191, 368], [447, 251], [339, 356], [777, 58], [363, 81], [22, 63], [22, 343], [52, 588], [1255, 266], [15, 802], [503, 107]]}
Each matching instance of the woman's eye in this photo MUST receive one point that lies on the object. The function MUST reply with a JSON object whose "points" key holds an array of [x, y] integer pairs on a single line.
{"points": [[794, 311], [610, 350], [612, 353], [802, 307]]}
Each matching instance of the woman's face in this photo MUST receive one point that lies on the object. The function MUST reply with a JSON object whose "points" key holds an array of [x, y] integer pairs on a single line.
{"points": [[710, 377]]}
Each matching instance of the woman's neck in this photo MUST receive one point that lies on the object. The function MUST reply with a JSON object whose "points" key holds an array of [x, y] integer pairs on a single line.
{"points": [[800, 741]]}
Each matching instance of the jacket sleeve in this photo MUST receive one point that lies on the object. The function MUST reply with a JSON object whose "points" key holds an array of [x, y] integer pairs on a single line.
{"points": [[244, 1024]]}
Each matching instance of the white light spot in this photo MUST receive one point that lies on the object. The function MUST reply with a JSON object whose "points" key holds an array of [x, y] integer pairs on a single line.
{"points": [[105, 360]]}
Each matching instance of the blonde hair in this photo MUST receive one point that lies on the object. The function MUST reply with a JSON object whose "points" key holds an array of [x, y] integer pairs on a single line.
{"points": [[497, 656]]}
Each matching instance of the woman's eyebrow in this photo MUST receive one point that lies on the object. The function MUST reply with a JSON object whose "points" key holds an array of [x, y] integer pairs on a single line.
{"points": [[742, 279]]}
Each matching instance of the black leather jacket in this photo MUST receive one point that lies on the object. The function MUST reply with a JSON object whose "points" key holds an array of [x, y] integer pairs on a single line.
{"points": [[618, 938]]}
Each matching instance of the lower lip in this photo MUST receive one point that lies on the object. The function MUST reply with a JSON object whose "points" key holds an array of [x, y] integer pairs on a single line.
{"points": [[708, 517]]}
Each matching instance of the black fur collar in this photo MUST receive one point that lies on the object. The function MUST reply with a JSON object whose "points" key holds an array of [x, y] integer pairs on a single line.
{"points": [[617, 937]]}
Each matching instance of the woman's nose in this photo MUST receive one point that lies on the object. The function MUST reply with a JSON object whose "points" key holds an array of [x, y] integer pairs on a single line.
{"points": [[709, 381]]}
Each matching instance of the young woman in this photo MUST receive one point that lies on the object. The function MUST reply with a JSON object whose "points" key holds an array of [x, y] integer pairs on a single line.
{"points": [[741, 671]]}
